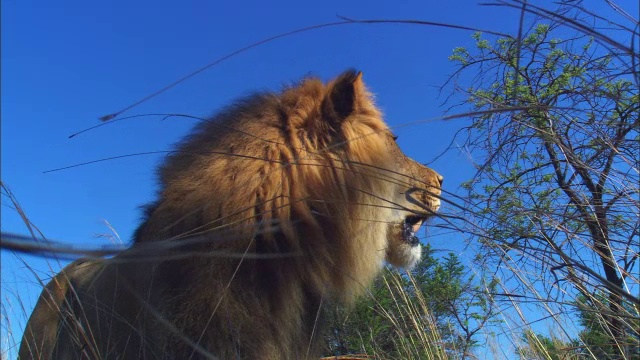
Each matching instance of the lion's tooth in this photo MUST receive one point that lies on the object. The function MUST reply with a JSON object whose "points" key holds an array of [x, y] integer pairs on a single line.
{"points": [[416, 226]]}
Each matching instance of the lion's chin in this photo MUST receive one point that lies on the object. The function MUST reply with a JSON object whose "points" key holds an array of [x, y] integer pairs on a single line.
{"points": [[404, 255], [404, 250], [412, 256]]}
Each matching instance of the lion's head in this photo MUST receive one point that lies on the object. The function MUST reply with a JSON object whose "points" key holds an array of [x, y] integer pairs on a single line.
{"points": [[313, 171]]}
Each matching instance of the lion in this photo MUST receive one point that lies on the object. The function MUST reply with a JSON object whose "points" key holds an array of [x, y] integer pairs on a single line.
{"points": [[276, 207]]}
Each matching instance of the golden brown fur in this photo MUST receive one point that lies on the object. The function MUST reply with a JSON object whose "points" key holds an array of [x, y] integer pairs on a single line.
{"points": [[272, 209]]}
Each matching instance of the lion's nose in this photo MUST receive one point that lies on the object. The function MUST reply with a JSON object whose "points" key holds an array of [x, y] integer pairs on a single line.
{"points": [[440, 179]]}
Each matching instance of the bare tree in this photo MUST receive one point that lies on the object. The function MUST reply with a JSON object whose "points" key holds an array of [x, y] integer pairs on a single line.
{"points": [[556, 142]]}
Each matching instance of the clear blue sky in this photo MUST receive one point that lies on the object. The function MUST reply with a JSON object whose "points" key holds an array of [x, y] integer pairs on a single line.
{"points": [[66, 63]]}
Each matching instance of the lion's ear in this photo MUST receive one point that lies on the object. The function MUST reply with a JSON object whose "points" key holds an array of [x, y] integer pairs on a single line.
{"points": [[344, 97]]}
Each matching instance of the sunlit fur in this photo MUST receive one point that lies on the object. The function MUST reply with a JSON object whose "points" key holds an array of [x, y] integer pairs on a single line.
{"points": [[276, 207]]}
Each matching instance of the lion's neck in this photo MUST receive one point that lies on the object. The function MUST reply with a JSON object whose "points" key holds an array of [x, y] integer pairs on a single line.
{"points": [[263, 299]]}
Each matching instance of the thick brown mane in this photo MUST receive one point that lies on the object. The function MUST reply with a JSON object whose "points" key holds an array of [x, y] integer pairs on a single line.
{"points": [[276, 206], [277, 174]]}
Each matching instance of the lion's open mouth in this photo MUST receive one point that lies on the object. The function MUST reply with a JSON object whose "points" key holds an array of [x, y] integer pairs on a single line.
{"points": [[410, 227]]}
